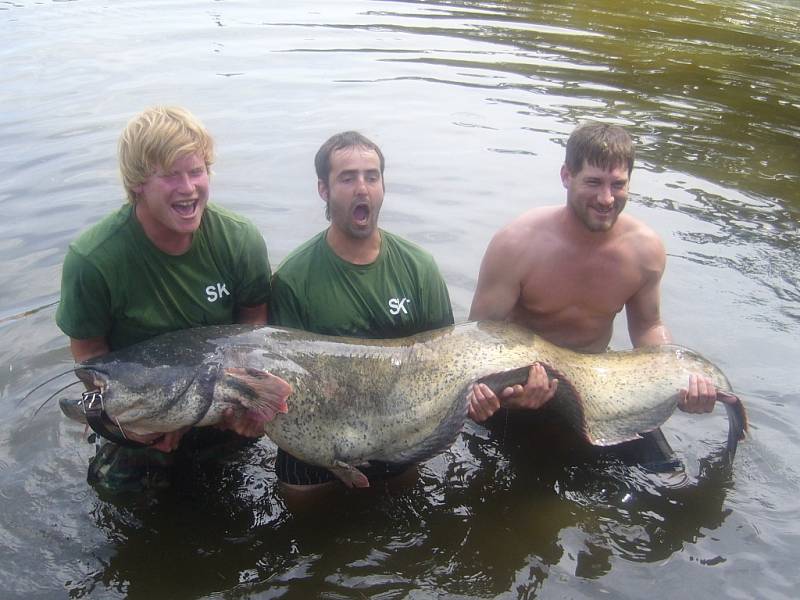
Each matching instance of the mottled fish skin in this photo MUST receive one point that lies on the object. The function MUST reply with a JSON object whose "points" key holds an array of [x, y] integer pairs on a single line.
{"points": [[398, 400]]}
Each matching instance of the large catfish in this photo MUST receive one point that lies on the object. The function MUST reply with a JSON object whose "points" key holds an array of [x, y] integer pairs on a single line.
{"points": [[400, 400]]}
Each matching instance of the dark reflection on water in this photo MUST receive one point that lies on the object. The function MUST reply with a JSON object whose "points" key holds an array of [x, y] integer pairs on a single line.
{"points": [[501, 505], [710, 87]]}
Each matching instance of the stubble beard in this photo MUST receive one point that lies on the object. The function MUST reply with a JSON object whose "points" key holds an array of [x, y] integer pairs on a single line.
{"points": [[584, 214], [343, 222]]}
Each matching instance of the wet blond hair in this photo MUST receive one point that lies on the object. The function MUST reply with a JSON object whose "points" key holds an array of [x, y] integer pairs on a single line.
{"points": [[155, 139], [599, 145]]}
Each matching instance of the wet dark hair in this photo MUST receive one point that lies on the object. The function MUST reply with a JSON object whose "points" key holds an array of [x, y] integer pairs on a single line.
{"points": [[599, 145], [345, 139]]}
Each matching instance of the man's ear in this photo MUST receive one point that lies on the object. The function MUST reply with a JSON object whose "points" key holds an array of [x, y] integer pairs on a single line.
{"points": [[322, 189], [565, 175]]}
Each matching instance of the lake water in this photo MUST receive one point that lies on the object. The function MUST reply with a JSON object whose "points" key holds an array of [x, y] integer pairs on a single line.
{"points": [[471, 103]]}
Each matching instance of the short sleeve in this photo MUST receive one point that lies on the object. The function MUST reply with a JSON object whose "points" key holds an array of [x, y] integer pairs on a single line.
{"points": [[440, 311], [284, 308], [85, 307], [254, 270]]}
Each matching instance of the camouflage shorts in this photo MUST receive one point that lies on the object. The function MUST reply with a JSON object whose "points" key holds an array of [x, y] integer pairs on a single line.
{"points": [[117, 469]]}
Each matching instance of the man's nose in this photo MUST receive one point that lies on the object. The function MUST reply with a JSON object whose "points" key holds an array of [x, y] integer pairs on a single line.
{"points": [[604, 195], [185, 184]]}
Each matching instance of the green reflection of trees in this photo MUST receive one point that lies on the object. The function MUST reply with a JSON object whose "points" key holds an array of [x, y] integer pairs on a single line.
{"points": [[711, 88]]}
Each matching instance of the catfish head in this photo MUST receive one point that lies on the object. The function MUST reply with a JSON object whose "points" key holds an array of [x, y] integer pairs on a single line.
{"points": [[146, 398]]}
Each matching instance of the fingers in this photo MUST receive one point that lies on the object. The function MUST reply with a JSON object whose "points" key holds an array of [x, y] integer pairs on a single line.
{"points": [[483, 403], [699, 397], [538, 389]]}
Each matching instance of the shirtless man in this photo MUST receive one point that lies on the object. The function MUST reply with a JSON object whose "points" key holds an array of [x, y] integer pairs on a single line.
{"points": [[566, 271]]}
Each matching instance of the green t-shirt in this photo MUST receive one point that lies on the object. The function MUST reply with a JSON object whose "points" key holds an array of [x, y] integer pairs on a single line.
{"points": [[399, 294], [117, 284]]}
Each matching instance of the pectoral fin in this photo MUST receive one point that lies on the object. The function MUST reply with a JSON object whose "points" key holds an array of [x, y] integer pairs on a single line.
{"points": [[262, 393], [349, 475]]}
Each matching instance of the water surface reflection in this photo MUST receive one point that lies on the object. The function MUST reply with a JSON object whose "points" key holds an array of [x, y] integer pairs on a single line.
{"points": [[472, 103]]}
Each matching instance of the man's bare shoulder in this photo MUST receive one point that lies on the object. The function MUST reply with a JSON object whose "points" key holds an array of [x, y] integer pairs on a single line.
{"points": [[537, 216], [527, 228], [641, 240], [634, 227]]}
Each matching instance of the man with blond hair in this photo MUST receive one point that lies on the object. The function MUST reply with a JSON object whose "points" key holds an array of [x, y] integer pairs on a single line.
{"points": [[166, 260], [566, 271]]}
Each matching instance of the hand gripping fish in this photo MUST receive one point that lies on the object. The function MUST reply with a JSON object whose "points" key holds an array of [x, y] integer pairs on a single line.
{"points": [[351, 401]]}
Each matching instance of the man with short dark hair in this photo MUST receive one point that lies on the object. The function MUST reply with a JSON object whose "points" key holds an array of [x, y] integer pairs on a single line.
{"points": [[354, 279], [566, 271]]}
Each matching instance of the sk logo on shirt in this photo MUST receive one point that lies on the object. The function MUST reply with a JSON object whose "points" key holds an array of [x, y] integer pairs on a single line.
{"points": [[398, 305], [215, 292]]}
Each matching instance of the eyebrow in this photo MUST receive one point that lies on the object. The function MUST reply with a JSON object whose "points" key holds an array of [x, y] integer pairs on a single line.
{"points": [[600, 178], [356, 171]]}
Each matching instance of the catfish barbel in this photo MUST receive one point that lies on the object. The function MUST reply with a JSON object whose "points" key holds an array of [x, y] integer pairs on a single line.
{"points": [[404, 400]]}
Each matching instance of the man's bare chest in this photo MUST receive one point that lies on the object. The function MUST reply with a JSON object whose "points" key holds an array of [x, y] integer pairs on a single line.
{"points": [[594, 284]]}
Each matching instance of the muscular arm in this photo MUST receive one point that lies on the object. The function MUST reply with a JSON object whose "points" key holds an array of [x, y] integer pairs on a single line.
{"points": [[498, 286], [644, 317], [496, 295], [643, 309], [646, 329]]}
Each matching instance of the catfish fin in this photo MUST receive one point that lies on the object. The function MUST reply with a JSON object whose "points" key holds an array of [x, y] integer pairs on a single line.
{"points": [[349, 475], [567, 401], [737, 421], [262, 393]]}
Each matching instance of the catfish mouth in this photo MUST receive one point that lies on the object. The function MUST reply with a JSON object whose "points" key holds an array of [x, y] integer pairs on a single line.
{"points": [[92, 378], [73, 409]]}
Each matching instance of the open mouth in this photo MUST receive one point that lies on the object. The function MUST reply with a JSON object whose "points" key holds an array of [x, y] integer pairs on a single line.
{"points": [[604, 210], [361, 214], [186, 208]]}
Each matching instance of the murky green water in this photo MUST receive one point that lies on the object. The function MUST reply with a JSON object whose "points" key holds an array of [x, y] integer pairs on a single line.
{"points": [[471, 103]]}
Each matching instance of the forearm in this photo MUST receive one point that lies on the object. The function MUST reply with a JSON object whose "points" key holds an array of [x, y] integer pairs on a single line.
{"points": [[654, 335], [83, 350]]}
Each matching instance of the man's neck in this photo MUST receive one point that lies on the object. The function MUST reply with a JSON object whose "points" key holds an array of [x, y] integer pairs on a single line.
{"points": [[164, 239], [581, 235], [358, 251]]}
